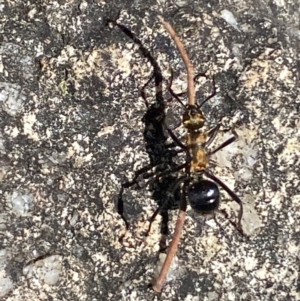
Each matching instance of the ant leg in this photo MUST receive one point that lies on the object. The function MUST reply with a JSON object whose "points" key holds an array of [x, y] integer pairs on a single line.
{"points": [[225, 214], [177, 95], [156, 69], [224, 144], [212, 133], [232, 195]]}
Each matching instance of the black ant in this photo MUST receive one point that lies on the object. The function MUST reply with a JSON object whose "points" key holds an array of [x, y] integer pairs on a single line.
{"points": [[203, 195]]}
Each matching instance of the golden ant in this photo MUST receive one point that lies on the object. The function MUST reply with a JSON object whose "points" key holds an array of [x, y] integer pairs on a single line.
{"points": [[203, 195]]}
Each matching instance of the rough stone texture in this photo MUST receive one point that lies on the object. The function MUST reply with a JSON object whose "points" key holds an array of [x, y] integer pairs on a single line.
{"points": [[72, 131]]}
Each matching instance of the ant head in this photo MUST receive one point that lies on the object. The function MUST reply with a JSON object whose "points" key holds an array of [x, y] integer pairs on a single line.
{"points": [[203, 196], [193, 118]]}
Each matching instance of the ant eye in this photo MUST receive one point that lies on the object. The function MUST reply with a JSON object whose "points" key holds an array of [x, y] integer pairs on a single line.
{"points": [[204, 196]]}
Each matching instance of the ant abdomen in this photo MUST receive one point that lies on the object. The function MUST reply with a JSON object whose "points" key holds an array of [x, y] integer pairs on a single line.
{"points": [[203, 196]]}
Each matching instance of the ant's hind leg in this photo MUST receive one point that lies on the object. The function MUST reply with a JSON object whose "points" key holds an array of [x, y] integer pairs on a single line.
{"points": [[233, 223], [231, 194]]}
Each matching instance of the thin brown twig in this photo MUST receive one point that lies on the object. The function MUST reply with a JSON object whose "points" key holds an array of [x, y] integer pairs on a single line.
{"points": [[160, 280], [189, 66]]}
